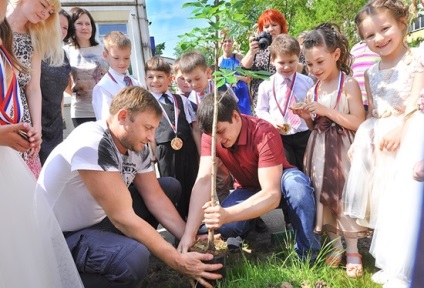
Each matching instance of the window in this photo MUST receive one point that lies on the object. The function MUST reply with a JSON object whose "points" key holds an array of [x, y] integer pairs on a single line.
{"points": [[417, 24], [108, 27], [104, 28]]}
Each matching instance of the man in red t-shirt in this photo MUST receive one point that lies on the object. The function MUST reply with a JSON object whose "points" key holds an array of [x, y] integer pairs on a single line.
{"points": [[253, 152]]}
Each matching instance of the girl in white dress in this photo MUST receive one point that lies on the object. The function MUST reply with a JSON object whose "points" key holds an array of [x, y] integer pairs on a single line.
{"points": [[32, 247], [381, 191]]}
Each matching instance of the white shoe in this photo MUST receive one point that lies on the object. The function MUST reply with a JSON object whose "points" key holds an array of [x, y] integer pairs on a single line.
{"points": [[380, 277], [396, 283]]}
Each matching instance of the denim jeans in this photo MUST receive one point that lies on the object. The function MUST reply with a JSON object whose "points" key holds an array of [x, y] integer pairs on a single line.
{"points": [[297, 198], [105, 257]]}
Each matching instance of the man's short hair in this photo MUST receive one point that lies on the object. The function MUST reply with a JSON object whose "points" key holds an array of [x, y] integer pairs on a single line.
{"points": [[135, 100], [191, 60], [116, 39], [157, 64], [226, 106], [284, 44]]}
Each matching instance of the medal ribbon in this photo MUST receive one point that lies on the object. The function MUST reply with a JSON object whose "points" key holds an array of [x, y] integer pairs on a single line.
{"points": [[114, 80], [176, 114], [339, 90], [9, 99], [288, 96], [206, 91]]}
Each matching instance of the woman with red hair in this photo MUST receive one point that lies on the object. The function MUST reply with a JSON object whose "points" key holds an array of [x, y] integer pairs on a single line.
{"points": [[273, 22]]}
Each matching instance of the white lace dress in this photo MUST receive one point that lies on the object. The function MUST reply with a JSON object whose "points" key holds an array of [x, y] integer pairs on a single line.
{"points": [[380, 190], [33, 251]]}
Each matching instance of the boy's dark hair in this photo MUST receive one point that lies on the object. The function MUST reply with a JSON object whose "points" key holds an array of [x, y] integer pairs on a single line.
{"points": [[226, 106], [284, 44], [191, 60], [157, 64]]}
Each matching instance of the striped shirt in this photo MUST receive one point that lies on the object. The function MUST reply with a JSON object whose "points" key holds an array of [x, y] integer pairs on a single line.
{"points": [[363, 58]]}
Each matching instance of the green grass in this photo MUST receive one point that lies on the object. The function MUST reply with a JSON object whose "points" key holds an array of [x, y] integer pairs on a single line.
{"points": [[285, 266]]}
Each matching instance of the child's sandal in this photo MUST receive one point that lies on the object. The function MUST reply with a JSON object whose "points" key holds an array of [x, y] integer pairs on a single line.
{"points": [[354, 270], [334, 258]]}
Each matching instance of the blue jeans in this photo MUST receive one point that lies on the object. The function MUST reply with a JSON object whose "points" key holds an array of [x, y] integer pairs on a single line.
{"points": [[299, 200], [105, 257]]}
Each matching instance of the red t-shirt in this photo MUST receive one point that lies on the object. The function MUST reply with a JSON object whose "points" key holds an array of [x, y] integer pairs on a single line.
{"points": [[259, 145]]}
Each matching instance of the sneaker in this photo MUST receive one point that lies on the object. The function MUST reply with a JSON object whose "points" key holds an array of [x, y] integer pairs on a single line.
{"points": [[260, 225], [234, 243], [380, 277]]}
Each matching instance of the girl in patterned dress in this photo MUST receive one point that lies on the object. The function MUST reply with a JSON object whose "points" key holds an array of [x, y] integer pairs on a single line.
{"points": [[381, 190], [36, 36], [333, 111]]}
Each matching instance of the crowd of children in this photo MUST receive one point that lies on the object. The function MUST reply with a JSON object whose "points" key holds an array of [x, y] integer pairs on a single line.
{"points": [[360, 144]]}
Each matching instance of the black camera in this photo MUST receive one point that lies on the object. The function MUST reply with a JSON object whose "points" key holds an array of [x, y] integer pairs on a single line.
{"points": [[264, 40]]}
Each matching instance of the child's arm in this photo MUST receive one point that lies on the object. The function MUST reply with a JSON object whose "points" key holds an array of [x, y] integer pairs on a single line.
{"points": [[197, 135], [369, 96], [392, 140], [101, 100], [262, 106], [192, 120], [356, 114]]}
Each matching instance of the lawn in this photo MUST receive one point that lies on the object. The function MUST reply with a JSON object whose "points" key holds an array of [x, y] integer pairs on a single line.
{"points": [[263, 265], [284, 269]]}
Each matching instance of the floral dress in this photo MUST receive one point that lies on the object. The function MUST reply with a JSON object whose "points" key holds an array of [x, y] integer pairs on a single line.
{"points": [[380, 190], [23, 49], [262, 62]]}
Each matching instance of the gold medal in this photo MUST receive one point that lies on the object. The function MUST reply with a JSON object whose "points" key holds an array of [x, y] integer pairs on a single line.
{"points": [[298, 106], [285, 128], [176, 143]]}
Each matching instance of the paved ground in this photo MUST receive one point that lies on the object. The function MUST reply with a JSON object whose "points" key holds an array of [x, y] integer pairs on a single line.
{"points": [[273, 219]]}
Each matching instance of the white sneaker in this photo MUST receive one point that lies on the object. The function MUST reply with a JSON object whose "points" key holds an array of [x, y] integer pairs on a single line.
{"points": [[380, 277], [396, 283]]}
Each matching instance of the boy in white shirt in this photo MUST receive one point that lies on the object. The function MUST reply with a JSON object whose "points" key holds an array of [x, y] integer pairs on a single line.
{"points": [[198, 75], [117, 53], [277, 96]]}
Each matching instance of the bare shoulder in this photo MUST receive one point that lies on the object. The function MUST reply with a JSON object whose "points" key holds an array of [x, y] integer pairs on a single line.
{"points": [[351, 85]]}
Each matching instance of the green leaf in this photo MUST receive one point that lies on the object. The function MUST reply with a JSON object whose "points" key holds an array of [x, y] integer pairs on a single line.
{"points": [[192, 4], [231, 79], [220, 82]]}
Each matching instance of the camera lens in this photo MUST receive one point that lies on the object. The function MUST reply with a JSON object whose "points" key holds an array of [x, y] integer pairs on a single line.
{"points": [[263, 43]]}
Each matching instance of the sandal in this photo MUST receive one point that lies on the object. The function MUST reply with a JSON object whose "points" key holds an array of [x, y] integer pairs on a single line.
{"points": [[334, 258], [354, 270]]}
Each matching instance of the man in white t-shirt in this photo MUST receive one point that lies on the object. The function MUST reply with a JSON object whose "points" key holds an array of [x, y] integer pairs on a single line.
{"points": [[109, 227]]}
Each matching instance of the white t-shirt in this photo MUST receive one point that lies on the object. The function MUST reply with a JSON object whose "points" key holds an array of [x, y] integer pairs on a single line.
{"points": [[88, 147]]}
